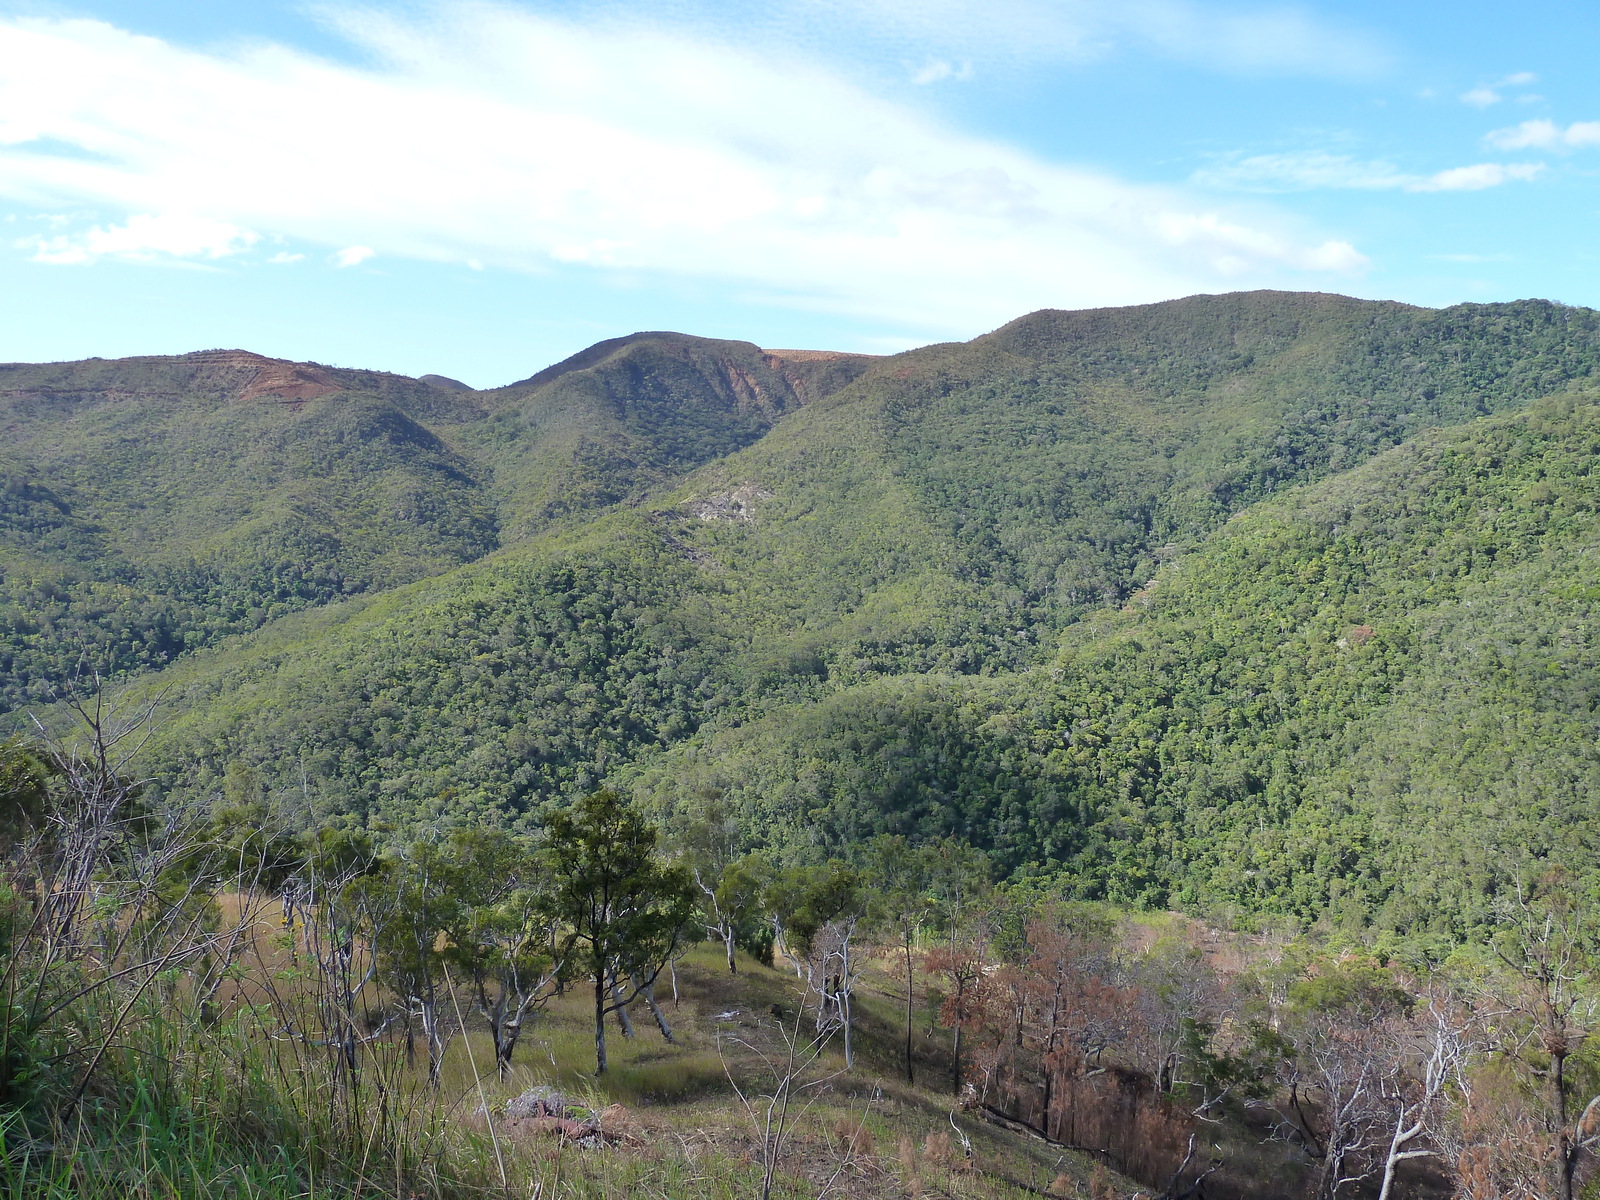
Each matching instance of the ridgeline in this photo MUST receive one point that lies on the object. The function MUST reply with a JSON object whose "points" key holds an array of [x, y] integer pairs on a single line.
{"points": [[1265, 603]]}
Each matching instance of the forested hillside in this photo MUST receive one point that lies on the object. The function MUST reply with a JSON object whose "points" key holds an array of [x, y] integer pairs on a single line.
{"points": [[1374, 697], [1247, 601], [152, 506]]}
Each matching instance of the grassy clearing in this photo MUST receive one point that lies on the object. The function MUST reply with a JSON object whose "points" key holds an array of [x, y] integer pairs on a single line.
{"points": [[189, 1111]]}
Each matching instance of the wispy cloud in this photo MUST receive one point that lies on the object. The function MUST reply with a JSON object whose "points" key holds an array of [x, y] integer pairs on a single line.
{"points": [[1488, 94], [1476, 177], [1312, 171], [1305, 171], [490, 136], [1276, 39], [937, 70], [1546, 135], [145, 237], [353, 256], [1261, 37]]}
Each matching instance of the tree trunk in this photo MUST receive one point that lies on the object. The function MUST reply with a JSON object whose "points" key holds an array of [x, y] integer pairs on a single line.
{"points": [[599, 1023], [435, 1039], [494, 1015], [781, 943], [844, 1009], [503, 1050], [955, 1053], [909, 988], [505, 1043], [648, 991], [1566, 1159], [623, 1021]]}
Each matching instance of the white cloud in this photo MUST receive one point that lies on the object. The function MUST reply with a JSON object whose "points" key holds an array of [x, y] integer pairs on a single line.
{"points": [[1301, 172], [1314, 170], [1475, 178], [1487, 94], [283, 258], [937, 70], [1243, 244], [352, 256], [1546, 135], [144, 237], [505, 139], [1281, 40]]}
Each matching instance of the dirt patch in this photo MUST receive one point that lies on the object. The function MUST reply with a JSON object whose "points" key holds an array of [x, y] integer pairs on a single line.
{"points": [[272, 378], [292, 383]]}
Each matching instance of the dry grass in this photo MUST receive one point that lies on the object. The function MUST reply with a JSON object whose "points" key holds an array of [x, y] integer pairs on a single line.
{"points": [[685, 1134]]}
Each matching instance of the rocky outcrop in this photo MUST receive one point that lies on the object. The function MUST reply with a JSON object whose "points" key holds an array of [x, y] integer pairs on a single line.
{"points": [[736, 505]]}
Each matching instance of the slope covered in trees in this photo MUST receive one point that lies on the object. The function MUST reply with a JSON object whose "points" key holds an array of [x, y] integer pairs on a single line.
{"points": [[861, 595], [152, 506], [1374, 696]]}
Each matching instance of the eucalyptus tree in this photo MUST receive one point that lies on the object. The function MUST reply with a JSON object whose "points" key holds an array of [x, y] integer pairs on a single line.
{"points": [[903, 904], [623, 910], [503, 933]]}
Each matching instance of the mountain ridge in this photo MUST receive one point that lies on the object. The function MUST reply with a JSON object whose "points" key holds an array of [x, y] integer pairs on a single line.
{"points": [[629, 565]]}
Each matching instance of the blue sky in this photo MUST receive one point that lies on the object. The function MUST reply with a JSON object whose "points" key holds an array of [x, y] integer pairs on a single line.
{"points": [[479, 189]]}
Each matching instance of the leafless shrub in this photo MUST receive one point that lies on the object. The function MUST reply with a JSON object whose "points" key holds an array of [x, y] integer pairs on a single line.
{"points": [[792, 1080]]}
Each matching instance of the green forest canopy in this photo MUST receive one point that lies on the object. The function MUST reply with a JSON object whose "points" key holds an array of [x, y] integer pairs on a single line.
{"points": [[1272, 602]]}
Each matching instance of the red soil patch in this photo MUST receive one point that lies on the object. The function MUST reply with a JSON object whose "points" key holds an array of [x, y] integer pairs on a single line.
{"points": [[293, 383]]}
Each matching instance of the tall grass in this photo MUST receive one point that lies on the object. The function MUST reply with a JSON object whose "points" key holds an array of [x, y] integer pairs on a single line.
{"points": [[180, 1108]]}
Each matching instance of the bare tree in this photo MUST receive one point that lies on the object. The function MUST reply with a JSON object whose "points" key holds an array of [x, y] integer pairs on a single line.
{"points": [[1350, 1050], [833, 969], [96, 816], [1548, 1006], [335, 920], [793, 1083], [115, 896], [963, 962], [1419, 1094]]}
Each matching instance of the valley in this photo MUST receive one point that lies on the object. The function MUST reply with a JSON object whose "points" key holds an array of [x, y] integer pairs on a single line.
{"points": [[1174, 702]]}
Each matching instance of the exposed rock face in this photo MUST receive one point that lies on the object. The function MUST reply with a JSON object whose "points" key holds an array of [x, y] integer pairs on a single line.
{"points": [[812, 374], [292, 382], [737, 505]]}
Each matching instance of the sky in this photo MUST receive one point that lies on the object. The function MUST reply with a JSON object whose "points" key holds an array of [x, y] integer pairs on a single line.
{"points": [[479, 189]]}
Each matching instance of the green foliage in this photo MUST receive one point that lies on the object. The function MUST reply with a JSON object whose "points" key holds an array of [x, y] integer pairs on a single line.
{"points": [[877, 597], [836, 891], [154, 506], [1356, 987], [632, 413], [24, 791], [622, 909], [1365, 699]]}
